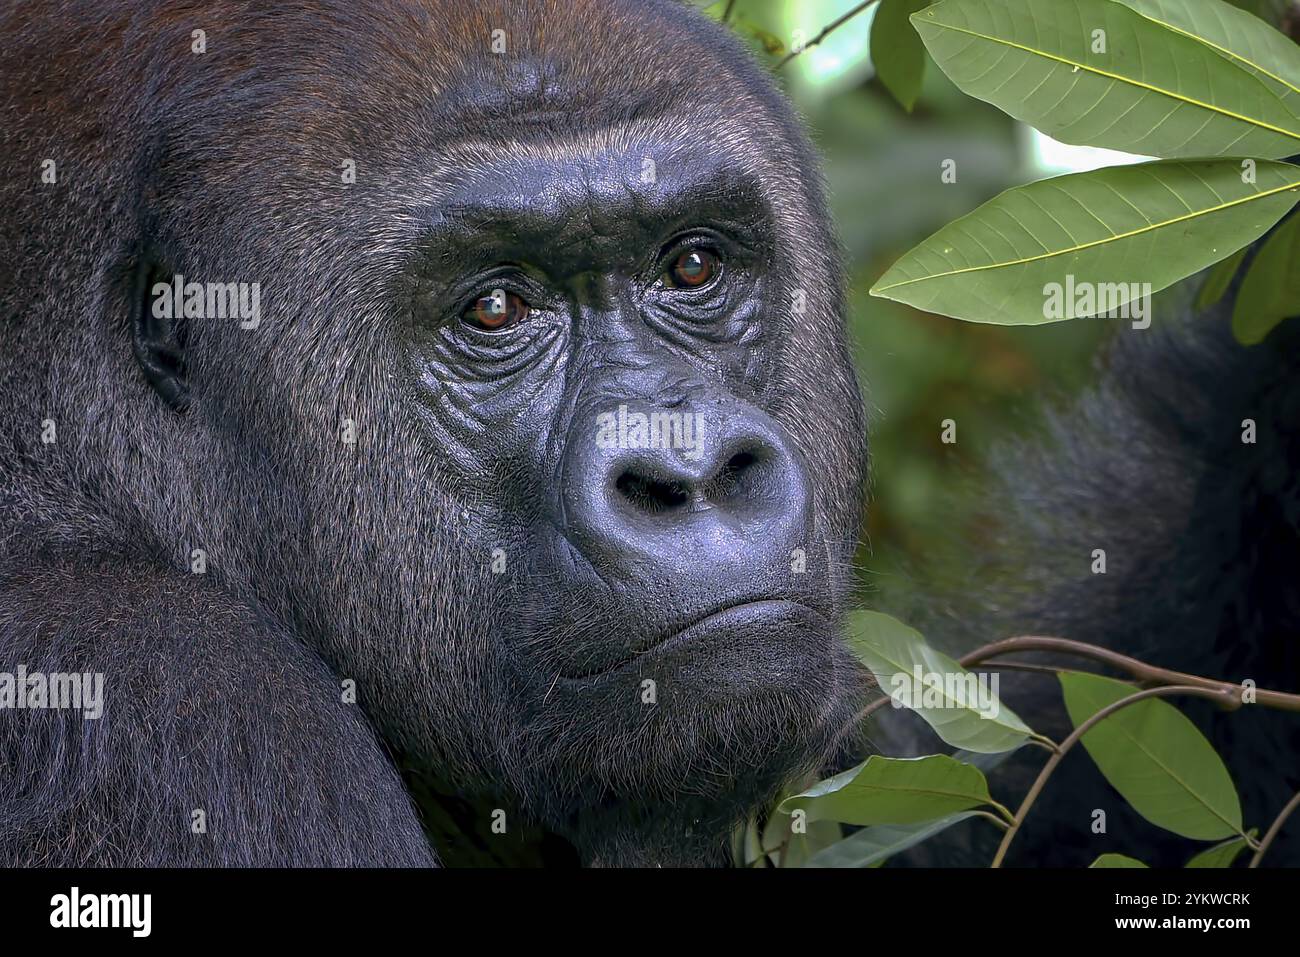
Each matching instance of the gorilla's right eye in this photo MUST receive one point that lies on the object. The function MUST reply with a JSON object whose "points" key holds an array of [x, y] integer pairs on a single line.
{"points": [[496, 311], [693, 269]]}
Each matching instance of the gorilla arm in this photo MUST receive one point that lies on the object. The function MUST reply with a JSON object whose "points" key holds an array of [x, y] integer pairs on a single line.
{"points": [[206, 708]]}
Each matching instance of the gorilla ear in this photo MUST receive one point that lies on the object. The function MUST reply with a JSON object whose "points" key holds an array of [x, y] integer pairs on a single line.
{"points": [[158, 331]]}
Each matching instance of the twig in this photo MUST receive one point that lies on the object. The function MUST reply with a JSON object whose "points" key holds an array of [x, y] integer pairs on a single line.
{"points": [[1227, 693], [826, 31], [1274, 828], [995, 665], [1077, 735], [726, 14], [1143, 672]]}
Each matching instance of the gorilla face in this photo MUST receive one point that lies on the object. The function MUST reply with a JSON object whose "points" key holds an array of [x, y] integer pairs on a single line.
{"points": [[587, 350], [664, 595], [547, 436]]}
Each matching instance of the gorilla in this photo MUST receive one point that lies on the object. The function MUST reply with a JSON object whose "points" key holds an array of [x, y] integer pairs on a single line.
{"points": [[412, 384], [424, 419]]}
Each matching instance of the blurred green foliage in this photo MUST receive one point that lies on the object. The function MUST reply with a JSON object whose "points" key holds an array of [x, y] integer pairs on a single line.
{"points": [[883, 172]]}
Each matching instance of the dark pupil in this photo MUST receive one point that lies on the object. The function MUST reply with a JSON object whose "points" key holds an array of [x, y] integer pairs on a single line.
{"points": [[692, 267], [494, 311]]}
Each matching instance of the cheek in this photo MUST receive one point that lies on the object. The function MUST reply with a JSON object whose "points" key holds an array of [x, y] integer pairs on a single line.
{"points": [[485, 417]]}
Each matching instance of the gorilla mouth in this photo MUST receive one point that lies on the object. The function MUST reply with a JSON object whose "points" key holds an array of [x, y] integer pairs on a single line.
{"points": [[714, 626]]}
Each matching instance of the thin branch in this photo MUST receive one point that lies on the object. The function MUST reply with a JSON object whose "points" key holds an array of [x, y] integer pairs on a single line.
{"points": [[874, 707], [826, 31], [1077, 735], [726, 14], [996, 665], [1274, 828], [1143, 672], [1228, 694]]}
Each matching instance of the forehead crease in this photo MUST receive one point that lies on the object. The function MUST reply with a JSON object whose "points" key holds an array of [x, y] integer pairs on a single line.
{"points": [[598, 183], [651, 165], [588, 223]]}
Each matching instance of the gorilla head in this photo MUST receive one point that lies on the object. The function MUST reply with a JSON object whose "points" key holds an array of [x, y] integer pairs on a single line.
{"points": [[544, 433]]}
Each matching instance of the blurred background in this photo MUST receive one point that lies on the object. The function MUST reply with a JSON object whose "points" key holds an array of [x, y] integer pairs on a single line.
{"points": [[883, 169]]}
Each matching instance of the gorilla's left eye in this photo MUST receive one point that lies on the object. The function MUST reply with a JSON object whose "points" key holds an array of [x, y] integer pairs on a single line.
{"points": [[693, 268], [497, 310]]}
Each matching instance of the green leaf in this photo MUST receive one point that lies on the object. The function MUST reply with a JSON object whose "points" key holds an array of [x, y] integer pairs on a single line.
{"points": [[1221, 855], [895, 791], [1271, 290], [1097, 73], [1116, 860], [1109, 231], [1156, 758], [962, 711], [789, 848], [896, 50], [986, 761], [1243, 38], [1219, 277], [872, 846]]}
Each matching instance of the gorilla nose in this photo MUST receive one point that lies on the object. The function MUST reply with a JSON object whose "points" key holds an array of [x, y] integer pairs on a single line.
{"points": [[710, 496]]}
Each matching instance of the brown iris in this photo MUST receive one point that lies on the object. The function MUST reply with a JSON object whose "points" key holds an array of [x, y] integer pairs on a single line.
{"points": [[497, 310], [694, 268]]}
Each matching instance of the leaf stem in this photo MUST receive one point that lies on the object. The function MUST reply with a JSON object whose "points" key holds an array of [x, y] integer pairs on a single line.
{"points": [[994, 818], [1007, 816], [826, 31]]}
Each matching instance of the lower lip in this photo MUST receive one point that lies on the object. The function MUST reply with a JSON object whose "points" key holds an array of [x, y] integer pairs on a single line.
{"points": [[752, 612], [749, 614]]}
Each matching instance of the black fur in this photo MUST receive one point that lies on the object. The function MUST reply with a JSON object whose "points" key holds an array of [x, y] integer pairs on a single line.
{"points": [[211, 708]]}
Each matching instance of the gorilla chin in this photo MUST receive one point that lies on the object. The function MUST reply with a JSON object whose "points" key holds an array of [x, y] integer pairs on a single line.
{"points": [[676, 746]]}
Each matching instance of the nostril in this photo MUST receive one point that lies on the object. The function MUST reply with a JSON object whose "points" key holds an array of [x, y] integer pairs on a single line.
{"points": [[737, 464], [734, 477], [740, 462], [652, 495]]}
